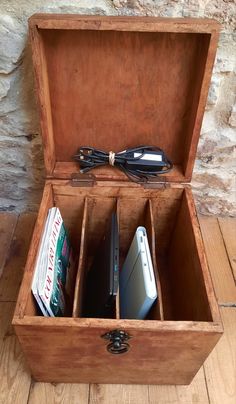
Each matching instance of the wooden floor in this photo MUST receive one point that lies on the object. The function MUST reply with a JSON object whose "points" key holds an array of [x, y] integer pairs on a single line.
{"points": [[214, 383]]}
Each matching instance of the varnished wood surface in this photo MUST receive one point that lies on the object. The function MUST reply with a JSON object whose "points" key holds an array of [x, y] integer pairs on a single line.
{"points": [[72, 21], [214, 383], [63, 170], [188, 343], [94, 87]]}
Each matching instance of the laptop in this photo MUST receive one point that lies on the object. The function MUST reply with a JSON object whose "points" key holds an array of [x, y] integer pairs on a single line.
{"points": [[138, 289], [103, 277]]}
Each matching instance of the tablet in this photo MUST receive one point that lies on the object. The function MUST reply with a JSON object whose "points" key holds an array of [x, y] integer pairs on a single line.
{"points": [[103, 277]]}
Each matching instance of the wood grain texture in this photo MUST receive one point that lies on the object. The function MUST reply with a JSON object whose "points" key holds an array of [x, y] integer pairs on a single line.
{"points": [[71, 201], [228, 230], [128, 100], [48, 393], [63, 170], [7, 226], [15, 377], [118, 189], [220, 269], [25, 296], [71, 209], [72, 21], [188, 293], [6, 313], [42, 92], [14, 268], [219, 375], [80, 339], [75, 57], [123, 111], [118, 394], [164, 357], [196, 392], [198, 97], [220, 367], [156, 312], [142, 325], [79, 283], [165, 213]]}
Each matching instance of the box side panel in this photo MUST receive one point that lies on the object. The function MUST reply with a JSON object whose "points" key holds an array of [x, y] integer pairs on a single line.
{"points": [[198, 96], [201, 255], [25, 296], [44, 103], [74, 354], [186, 268]]}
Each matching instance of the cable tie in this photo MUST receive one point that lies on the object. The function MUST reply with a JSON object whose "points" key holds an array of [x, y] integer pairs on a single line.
{"points": [[112, 158]]}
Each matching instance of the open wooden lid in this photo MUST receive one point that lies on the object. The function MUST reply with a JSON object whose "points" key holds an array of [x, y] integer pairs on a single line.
{"points": [[119, 82]]}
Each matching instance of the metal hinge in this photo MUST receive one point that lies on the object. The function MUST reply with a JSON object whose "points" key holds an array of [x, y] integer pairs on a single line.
{"points": [[82, 180], [155, 185]]}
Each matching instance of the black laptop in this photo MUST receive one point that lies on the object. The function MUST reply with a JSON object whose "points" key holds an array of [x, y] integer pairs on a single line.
{"points": [[103, 276]]}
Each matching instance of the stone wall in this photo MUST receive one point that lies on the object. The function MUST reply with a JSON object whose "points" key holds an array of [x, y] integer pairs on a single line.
{"points": [[21, 159]]}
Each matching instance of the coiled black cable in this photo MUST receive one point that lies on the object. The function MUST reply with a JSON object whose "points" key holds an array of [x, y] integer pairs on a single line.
{"points": [[135, 167]]}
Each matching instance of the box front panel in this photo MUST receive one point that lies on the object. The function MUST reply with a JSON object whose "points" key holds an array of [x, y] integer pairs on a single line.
{"points": [[74, 354]]}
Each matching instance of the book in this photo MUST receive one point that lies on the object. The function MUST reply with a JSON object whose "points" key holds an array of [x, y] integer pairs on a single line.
{"points": [[54, 273]]}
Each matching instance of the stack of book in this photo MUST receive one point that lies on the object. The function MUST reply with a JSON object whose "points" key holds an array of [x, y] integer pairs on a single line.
{"points": [[53, 279]]}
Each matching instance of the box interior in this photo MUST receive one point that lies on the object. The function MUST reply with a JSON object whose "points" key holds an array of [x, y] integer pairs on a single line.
{"points": [[113, 89], [117, 89], [166, 216]]}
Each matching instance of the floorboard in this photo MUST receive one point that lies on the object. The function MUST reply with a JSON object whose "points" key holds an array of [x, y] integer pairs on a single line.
{"points": [[196, 392], [220, 367], [7, 227], [14, 267], [218, 262], [14, 377], [228, 230], [48, 393], [6, 313], [118, 393]]}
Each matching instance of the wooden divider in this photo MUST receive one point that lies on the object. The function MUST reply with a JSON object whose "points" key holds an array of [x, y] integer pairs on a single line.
{"points": [[118, 291], [77, 305], [139, 213], [152, 243]]}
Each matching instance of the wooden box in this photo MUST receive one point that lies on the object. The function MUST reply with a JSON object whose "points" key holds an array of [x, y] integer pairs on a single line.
{"points": [[113, 83]]}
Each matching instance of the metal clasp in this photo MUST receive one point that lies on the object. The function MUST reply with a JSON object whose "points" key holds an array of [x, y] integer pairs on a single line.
{"points": [[118, 344]]}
